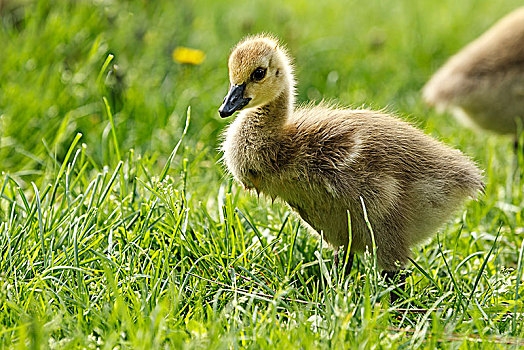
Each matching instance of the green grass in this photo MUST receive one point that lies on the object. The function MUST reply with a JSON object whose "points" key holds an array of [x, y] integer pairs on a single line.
{"points": [[114, 234]]}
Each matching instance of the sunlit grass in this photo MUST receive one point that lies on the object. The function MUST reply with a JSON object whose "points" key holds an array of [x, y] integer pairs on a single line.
{"points": [[118, 225]]}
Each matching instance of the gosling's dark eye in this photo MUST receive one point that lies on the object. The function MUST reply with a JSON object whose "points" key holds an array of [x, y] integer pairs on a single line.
{"points": [[258, 74]]}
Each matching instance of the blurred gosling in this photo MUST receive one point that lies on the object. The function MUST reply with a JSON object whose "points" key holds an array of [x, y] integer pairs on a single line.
{"points": [[483, 84], [325, 162]]}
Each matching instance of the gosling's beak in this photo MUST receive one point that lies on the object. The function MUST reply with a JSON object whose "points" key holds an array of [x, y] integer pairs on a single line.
{"points": [[233, 101]]}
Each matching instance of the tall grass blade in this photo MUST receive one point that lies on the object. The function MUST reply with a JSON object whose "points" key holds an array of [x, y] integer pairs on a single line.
{"points": [[173, 153]]}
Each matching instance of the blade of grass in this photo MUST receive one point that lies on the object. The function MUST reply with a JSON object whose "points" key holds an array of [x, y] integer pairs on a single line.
{"points": [[517, 285], [173, 153], [481, 271], [40, 223], [113, 129]]}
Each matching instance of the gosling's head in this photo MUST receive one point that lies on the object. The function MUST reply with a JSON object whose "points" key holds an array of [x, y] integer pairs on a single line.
{"points": [[259, 71]]}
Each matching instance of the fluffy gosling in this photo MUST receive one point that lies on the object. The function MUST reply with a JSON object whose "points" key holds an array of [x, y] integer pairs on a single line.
{"points": [[483, 84], [324, 161]]}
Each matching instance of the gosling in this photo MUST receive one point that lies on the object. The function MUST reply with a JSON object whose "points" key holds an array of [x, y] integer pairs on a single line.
{"points": [[483, 84], [325, 162]]}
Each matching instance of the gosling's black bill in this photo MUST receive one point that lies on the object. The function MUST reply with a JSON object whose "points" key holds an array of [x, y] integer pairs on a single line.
{"points": [[233, 101]]}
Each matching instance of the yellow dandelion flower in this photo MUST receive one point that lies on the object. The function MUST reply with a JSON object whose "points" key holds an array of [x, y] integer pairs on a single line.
{"points": [[187, 55]]}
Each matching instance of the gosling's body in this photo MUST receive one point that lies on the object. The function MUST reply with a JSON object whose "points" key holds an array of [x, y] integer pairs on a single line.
{"points": [[322, 161], [483, 84]]}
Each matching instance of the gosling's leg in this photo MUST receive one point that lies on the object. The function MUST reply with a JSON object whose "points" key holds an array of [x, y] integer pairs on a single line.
{"points": [[397, 278], [336, 259], [349, 264]]}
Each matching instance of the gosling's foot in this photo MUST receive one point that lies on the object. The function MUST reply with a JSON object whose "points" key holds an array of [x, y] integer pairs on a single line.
{"points": [[397, 278]]}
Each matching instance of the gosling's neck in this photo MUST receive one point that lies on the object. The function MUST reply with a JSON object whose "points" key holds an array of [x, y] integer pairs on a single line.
{"points": [[272, 115], [254, 139]]}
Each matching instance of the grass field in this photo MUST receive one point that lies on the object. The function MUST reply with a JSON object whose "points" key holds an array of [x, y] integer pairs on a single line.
{"points": [[108, 242]]}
